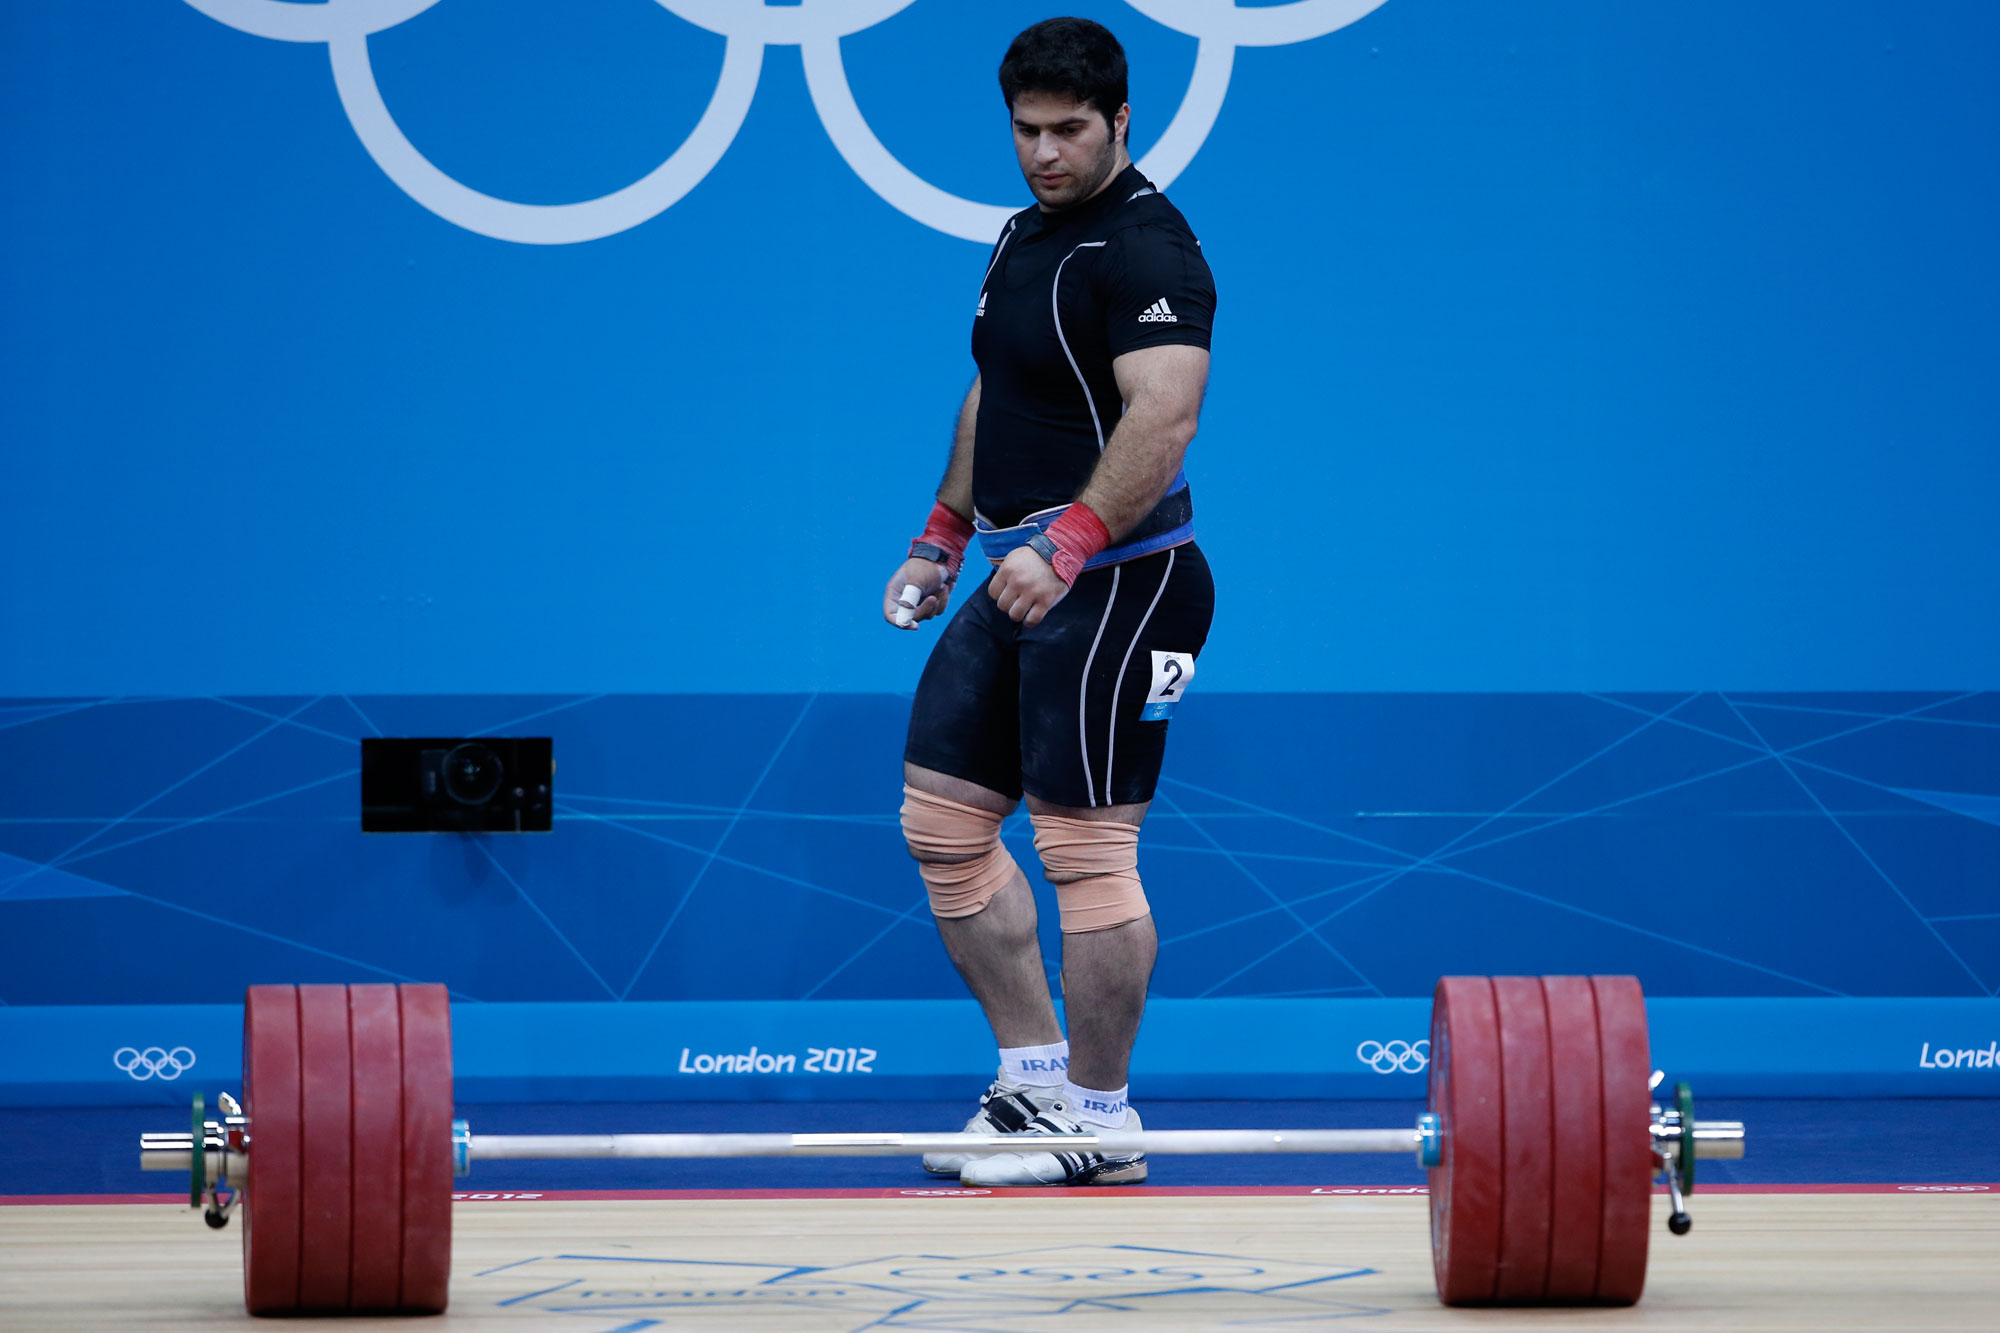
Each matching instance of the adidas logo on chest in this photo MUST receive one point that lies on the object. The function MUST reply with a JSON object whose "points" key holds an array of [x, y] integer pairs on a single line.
{"points": [[1158, 313]]}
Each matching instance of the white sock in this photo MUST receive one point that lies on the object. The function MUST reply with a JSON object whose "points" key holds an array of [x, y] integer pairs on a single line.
{"points": [[1108, 1109], [1035, 1066]]}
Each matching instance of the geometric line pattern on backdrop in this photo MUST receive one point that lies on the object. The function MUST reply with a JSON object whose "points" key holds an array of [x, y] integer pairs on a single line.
{"points": [[748, 847], [1289, 909], [1986, 808], [1435, 860], [1430, 864], [1385, 882], [735, 818], [1786, 762], [1978, 807]]}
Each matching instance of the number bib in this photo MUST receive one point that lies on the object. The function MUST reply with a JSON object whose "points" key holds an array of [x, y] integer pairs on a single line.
{"points": [[1171, 674]]}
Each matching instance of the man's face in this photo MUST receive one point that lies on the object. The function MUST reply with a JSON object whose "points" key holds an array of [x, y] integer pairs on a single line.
{"points": [[1067, 150]]}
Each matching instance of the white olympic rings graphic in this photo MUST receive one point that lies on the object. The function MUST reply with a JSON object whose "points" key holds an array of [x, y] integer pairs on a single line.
{"points": [[153, 1062], [1392, 1057], [749, 26]]}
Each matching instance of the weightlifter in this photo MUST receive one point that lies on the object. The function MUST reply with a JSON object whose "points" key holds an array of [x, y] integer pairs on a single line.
{"points": [[1056, 679]]}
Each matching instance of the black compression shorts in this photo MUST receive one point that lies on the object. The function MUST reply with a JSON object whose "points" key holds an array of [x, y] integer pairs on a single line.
{"points": [[1075, 710]]}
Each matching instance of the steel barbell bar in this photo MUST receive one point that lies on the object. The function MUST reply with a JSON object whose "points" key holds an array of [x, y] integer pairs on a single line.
{"points": [[172, 1152]]}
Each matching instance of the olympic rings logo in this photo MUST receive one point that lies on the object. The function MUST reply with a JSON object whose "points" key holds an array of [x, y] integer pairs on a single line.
{"points": [[153, 1062], [1395, 1056], [749, 27]]}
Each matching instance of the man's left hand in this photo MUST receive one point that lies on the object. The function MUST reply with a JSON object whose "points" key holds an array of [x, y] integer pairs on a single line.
{"points": [[1025, 587]]}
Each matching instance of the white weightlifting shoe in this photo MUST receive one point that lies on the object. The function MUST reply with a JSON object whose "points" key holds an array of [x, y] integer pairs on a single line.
{"points": [[1058, 1168], [1004, 1108]]}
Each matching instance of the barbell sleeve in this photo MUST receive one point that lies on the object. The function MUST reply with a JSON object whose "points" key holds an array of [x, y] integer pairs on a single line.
{"points": [[1718, 1138]]}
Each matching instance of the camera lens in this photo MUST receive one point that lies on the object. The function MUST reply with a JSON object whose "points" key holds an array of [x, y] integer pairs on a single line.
{"points": [[472, 774]]}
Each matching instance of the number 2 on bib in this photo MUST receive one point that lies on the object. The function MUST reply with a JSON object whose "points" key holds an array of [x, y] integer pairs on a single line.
{"points": [[1171, 674]]}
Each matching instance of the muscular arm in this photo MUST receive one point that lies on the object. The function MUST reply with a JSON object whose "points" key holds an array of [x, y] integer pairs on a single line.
{"points": [[956, 488], [954, 493], [1162, 388]]}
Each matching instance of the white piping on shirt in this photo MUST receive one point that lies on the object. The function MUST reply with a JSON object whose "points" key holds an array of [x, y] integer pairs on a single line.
{"points": [[998, 250], [1111, 740], [1083, 690], [1055, 308], [991, 264]]}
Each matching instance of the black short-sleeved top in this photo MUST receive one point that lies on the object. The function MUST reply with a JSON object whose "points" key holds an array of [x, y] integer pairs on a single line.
{"points": [[1065, 294]]}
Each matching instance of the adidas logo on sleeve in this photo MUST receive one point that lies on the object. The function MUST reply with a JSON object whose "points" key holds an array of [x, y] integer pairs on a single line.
{"points": [[1158, 313], [982, 306]]}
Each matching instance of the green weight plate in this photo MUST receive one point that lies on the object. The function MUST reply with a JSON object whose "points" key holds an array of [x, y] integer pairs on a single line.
{"points": [[197, 1158], [1684, 1103]]}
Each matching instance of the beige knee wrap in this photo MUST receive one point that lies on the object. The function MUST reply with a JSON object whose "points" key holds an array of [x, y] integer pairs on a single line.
{"points": [[1094, 864], [958, 852]]}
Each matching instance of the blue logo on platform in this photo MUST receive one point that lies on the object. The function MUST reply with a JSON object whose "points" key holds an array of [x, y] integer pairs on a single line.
{"points": [[1060, 1287]]}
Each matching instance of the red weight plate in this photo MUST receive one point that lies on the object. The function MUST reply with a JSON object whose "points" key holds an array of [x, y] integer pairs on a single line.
{"points": [[376, 1028], [1465, 1095], [1577, 1098], [1527, 1140], [1628, 1141], [271, 1189], [426, 1147], [326, 1158]]}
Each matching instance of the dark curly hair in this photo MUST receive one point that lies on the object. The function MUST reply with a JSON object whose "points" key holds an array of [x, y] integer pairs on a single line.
{"points": [[1071, 56]]}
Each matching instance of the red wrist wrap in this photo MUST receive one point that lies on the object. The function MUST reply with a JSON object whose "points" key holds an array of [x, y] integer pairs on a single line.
{"points": [[1078, 535], [946, 529]]}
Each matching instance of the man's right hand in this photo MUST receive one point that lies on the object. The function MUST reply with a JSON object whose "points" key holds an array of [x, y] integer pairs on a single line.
{"points": [[927, 577]]}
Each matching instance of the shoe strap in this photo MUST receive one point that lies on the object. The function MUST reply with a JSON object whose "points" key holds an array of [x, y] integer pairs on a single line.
{"points": [[1009, 1112]]}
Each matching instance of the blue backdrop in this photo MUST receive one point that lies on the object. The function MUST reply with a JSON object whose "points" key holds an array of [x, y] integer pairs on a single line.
{"points": [[1561, 346], [1599, 472]]}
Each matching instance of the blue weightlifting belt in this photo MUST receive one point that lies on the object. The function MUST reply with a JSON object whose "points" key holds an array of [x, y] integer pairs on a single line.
{"points": [[997, 543]]}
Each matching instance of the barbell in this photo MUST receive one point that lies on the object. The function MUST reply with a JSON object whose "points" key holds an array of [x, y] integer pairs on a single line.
{"points": [[1542, 1139]]}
